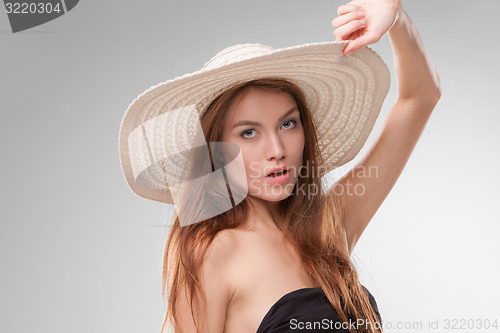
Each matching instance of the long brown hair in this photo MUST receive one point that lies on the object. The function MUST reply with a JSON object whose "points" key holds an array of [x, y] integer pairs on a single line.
{"points": [[312, 223]]}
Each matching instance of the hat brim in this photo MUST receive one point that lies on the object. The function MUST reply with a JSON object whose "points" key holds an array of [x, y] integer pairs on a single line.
{"points": [[344, 94]]}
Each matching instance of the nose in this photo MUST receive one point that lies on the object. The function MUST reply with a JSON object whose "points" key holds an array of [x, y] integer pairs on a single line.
{"points": [[275, 148]]}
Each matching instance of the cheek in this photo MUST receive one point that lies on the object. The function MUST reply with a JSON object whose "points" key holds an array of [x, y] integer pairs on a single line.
{"points": [[296, 144], [251, 161], [239, 173], [302, 142]]}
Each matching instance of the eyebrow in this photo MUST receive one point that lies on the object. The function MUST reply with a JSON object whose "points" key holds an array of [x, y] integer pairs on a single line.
{"points": [[253, 123]]}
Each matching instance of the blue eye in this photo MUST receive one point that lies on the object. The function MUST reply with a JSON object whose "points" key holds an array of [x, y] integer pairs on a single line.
{"points": [[246, 131], [291, 121], [242, 134]]}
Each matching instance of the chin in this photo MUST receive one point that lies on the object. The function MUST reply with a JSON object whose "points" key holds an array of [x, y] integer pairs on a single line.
{"points": [[277, 195]]}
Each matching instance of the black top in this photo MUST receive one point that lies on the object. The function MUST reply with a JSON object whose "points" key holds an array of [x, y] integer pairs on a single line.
{"points": [[306, 310]]}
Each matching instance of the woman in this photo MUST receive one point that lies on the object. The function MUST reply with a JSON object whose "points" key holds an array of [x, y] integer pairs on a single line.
{"points": [[269, 252]]}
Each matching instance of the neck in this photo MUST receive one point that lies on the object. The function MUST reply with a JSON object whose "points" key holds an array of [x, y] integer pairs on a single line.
{"points": [[265, 214]]}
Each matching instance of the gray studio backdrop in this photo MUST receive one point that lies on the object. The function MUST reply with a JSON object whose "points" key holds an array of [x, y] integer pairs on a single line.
{"points": [[81, 253]]}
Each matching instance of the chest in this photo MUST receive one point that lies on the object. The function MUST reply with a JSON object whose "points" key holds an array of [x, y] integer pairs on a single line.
{"points": [[268, 269]]}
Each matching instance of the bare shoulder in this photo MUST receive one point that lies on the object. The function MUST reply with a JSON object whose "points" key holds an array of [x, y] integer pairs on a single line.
{"points": [[230, 259], [221, 260], [217, 286], [221, 250]]}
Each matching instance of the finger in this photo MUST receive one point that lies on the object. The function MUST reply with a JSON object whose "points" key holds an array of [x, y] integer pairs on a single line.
{"points": [[346, 9], [359, 43], [346, 18], [354, 35], [349, 28]]}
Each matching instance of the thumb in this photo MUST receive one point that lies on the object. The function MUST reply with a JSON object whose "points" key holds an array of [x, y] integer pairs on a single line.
{"points": [[359, 43]]}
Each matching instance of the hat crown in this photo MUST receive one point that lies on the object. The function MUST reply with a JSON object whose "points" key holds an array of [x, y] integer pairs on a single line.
{"points": [[237, 53]]}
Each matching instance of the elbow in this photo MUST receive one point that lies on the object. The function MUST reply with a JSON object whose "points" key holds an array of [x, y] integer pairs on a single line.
{"points": [[431, 99], [436, 96], [434, 99], [429, 94], [426, 93], [431, 91], [423, 101], [426, 90]]}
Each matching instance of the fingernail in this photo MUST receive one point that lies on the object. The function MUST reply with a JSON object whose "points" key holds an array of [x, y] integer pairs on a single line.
{"points": [[361, 13], [362, 21]]}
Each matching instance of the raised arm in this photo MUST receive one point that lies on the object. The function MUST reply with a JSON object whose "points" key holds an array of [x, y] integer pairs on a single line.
{"points": [[418, 92]]}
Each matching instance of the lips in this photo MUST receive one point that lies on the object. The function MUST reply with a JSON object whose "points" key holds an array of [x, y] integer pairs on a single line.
{"points": [[277, 171]]}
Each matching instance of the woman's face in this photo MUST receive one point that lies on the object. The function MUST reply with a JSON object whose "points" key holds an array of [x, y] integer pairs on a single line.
{"points": [[266, 125]]}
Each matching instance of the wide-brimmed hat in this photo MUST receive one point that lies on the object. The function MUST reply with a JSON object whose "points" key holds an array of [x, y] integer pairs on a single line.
{"points": [[344, 94]]}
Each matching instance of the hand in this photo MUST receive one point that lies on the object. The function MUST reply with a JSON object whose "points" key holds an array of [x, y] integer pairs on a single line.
{"points": [[364, 22]]}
